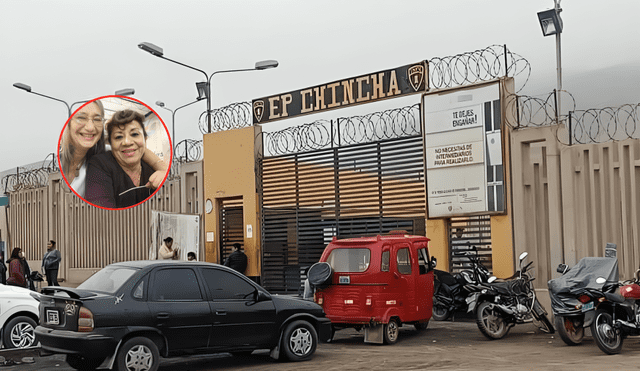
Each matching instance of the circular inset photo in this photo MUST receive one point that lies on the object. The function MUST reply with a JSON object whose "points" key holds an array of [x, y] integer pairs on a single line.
{"points": [[114, 152]]}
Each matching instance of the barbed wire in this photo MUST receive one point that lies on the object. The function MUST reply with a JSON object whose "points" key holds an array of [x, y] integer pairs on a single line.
{"points": [[479, 65], [26, 179], [604, 124], [234, 116], [322, 134]]}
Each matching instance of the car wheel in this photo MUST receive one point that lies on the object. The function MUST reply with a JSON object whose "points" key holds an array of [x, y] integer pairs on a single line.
{"points": [[19, 333], [83, 364], [391, 331], [299, 341], [138, 354]]}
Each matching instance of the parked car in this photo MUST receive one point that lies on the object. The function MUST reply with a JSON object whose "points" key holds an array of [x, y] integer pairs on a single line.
{"points": [[129, 314], [18, 317], [376, 284]]}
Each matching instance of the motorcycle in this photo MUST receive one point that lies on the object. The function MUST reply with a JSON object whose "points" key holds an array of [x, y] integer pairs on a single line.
{"points": [[617, 316], [500, 305], [575, 294], [451, 290]]}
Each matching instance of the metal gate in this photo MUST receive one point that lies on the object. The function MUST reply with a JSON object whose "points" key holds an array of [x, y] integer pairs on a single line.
{"points": [[231, 226], [476, 231], [307, 198]]}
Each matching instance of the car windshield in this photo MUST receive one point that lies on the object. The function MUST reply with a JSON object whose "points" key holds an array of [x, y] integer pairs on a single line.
{"points": [[108, 279], [349, 260]]}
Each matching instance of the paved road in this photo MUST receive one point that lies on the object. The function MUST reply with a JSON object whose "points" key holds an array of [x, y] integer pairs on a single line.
{"points": [[443, 346]]}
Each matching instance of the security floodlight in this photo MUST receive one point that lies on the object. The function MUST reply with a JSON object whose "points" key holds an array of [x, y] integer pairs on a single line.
{"points": [[203, 90], [150, 48], [550, 22], [263, 65], [129, 91], [22, 86]]}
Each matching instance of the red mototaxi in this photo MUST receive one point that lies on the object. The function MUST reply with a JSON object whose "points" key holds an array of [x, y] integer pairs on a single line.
{"points": [[378, 282]]}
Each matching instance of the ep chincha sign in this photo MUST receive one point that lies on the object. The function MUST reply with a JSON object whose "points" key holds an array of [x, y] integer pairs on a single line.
{"points": [[397, 82]]}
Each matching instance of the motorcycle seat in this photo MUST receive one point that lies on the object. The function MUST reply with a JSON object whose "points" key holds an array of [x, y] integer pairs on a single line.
{"points": [[616, 298]]}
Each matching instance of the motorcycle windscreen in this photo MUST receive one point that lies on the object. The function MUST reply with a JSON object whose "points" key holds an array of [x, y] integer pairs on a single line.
{"points": [[565, 290]]}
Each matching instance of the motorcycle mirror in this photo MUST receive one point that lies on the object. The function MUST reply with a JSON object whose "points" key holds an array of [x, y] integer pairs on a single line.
{"points": [[434, 262], [492, 278], [523, 255], [601, 280], [562, 268]]}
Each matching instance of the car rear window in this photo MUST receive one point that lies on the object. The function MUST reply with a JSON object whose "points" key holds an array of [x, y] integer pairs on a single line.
{"points": [[349, 260], [108, 279]]}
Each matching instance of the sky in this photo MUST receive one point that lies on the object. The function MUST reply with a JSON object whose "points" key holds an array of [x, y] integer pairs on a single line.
{"points": [[80, 50]]}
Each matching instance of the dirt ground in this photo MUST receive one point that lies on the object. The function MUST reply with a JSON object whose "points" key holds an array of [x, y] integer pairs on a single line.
{"points": [[443, 346]]}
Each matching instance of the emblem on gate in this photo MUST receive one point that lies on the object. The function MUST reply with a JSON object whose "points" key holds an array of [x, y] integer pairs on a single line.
{"points": [[416, 76], [70, 309], [258, 109]]}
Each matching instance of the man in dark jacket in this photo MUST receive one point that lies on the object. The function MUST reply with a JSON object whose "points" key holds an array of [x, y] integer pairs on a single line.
{"points": [[51, 263], [237, 259]]}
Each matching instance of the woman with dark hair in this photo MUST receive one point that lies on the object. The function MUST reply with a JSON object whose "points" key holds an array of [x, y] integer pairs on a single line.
{"points": [[16, 269], [166, 252], [83, 137], [120, 178]]}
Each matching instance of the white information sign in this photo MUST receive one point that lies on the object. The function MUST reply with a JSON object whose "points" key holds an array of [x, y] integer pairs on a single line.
{"points": [[456, 149]]}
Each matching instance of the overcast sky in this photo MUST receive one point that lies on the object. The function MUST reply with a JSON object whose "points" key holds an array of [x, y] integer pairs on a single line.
{"points": [[79, 50]]}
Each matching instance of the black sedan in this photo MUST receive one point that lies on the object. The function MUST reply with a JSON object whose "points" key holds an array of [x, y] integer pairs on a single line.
{"points": [[129, 314]]}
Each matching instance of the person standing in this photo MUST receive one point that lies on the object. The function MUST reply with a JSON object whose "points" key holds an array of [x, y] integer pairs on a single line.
{"points": [[3, 270], [237, 259], [166, 252], [16, 269], [51, 263]]}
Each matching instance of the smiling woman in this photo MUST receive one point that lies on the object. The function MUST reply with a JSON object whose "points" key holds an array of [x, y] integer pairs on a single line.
{"points": [[119, 178]]}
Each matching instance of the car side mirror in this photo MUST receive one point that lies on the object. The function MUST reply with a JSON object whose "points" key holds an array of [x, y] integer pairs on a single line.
{"points": [[261, 296], [434, 262]]}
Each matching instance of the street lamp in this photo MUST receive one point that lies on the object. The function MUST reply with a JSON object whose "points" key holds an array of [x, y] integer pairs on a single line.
{"points": [[204, 91], [27, 88], [173, 121], [551, 24]]}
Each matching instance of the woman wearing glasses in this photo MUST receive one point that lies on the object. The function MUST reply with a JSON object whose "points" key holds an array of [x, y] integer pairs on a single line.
{"points": [[83, 137], [117, 179]]}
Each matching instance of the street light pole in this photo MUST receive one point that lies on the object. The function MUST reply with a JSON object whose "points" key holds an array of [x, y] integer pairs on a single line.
{"points": [[558, 62], [551, 24], [27, 88], [158, 52], [173, 121]]}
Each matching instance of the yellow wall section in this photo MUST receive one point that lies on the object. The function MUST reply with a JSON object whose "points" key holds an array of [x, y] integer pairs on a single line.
{"points": [[229, 171], [439, 243], [502, 246]]}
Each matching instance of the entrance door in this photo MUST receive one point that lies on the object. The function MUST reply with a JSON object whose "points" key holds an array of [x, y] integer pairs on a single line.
{"points": [[231, 226]]}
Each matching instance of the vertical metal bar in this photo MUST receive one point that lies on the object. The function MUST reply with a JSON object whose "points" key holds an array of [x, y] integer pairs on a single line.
{"points": [[555, 101], [506, 68], [570, 129], [518, 110], [332, 144]]}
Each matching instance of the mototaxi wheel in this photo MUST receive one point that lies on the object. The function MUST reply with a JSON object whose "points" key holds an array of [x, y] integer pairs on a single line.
{"points": [[491, 322], [391, 331], [138, 354], [299, 341], [608, 338], [81, 363], [570, 329]]}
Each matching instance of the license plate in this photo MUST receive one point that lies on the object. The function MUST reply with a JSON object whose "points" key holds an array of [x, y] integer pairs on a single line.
{"points": [[52, 317], [587, 306], [344, 280]]}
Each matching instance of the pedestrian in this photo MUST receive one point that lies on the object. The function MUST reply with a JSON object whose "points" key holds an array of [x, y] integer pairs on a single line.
{"points": [[27, 271], [237, 259], [3, 270], [16, 269], [166, 252], [51, 263], [191, 256]]}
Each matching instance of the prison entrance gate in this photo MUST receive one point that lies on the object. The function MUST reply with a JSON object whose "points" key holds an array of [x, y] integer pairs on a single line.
{"points": [[359, 190]]}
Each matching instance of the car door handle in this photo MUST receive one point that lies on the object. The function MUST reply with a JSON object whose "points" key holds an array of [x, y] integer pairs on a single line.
{"points": [[162, 315], [221, 312]]}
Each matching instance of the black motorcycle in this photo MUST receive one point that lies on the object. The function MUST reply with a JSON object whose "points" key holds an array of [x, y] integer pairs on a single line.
{"points": [[450, 291], [501, 304], [576, 294]]}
